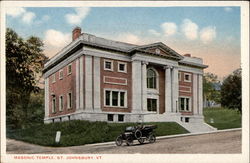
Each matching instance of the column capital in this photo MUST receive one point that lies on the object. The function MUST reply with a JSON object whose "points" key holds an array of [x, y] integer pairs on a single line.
{"points": [[144, 63], [175, 67], [168, 67]]}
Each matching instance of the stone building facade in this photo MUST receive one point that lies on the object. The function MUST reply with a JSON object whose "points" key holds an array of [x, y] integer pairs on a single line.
{"points": [[97, 79]]}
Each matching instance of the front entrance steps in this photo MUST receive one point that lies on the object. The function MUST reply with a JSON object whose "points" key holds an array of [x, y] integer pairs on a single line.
{"points": [[193, 124]]}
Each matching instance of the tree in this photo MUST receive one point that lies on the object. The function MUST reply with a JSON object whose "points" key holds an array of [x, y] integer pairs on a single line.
{"points": [[231, 91], [210, 81], [24, 61]]}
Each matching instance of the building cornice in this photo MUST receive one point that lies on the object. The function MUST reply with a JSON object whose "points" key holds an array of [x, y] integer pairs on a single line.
{"points": [[191, 64]]}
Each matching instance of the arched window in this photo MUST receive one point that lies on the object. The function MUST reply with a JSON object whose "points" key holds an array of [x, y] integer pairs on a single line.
{"points": [[151, 79]]}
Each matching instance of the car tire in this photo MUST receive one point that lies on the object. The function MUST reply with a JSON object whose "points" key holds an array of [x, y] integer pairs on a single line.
{"points": [[151, 138], [129, 140], [119, 141], [138, 134], [141, 140]]}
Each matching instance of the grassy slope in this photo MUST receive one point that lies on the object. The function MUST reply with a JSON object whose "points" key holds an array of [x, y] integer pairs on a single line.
{"points": [[223, 118], [83, 132]]}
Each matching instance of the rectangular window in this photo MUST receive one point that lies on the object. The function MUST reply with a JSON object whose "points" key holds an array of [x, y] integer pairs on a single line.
{"points": [[152, 105], [53, 78], [108, 65], [53, 104], [69, 69], [120, 118], [60, 103], [122, 67], [61, 74], [107, 95], [110, 117], [69, 100], [187, 77], [184, 104], [115, 98], [122, 98]]}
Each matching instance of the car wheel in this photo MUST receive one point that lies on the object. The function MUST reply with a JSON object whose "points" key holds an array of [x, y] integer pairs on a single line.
{"points": [[129, 140], [138, 134], [151, 138], [119, 141], [141, 140]]}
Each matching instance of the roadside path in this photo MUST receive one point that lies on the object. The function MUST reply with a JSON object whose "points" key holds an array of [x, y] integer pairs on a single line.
{"points": [[221, 142]]}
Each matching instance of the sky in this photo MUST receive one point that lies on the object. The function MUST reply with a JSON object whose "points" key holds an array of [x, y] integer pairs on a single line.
{"points": [[210, 33]]}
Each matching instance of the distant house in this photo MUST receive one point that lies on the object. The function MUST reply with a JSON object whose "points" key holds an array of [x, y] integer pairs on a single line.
{"points": [[97, 79]]}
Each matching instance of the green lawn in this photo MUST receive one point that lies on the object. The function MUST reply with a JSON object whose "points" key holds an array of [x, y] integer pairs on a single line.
{"points": [[223, 118], [83, 132]]}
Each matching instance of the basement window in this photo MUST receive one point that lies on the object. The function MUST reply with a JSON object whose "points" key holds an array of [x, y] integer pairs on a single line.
{"points": [[110, 117], [120, 118]]}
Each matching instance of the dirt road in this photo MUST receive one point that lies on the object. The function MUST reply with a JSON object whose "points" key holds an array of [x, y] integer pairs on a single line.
{"points": [[223, 142]]}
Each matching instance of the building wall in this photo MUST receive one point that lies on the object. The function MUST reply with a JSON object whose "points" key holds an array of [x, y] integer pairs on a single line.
{"points": [[111, 80], [161, 83], [186, 89], [62, 87]]}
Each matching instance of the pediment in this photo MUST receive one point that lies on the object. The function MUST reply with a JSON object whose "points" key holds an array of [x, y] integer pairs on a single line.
{"points": [[160, 49]]}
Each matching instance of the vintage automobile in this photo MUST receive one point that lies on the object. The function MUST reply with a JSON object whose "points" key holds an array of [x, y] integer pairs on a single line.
{"points": [[140, 133]]}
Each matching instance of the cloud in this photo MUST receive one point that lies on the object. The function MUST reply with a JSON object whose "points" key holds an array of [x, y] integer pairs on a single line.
{"points": [[169, 28], [56, 38], [154, 32], [228, 9], [190, 29], [28, 17], [15, 11], [208, 34], [129, 38], [44, 19], [76, 19]]}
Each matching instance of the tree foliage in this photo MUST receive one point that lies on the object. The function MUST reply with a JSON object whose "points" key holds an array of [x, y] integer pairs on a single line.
{"points": [[231, 91], [24, 62], [209, 90]]}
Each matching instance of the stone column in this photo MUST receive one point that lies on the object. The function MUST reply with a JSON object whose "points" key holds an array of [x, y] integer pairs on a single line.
{"points": [[200, 93], [144, 86], [88, 83], [46, 99], [136, 82], [168, 89], [77, 84], [175, 89], [97, 82], [195, 95]]}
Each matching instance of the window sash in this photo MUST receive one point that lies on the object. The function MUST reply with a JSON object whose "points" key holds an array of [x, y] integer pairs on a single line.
{"points": [[184, 104], [151, 79], [152, 105], [69, 69], [61, 74], [108, 65], [60, 103], [115, 98], [53, 104], [69, 100], [122, 98]]}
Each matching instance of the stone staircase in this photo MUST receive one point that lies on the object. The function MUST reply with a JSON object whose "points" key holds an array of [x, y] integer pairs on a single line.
{"points": [[197, 127], [193, 124]]}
